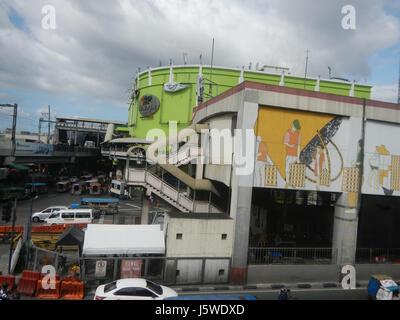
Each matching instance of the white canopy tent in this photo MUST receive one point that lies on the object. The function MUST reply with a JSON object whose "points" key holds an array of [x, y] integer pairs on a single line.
{"points": [[110, 239]]}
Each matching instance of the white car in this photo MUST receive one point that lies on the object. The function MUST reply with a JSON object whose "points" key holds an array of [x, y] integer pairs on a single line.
{"points": [[133, 289], [44, 214]]}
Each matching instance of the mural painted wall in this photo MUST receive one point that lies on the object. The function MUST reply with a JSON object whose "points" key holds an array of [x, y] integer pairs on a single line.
{"points": [[320, 152]]}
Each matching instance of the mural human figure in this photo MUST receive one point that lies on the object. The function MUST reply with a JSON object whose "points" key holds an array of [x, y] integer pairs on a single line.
{"points": [[262, 160], [292, 141], [319, 164]]}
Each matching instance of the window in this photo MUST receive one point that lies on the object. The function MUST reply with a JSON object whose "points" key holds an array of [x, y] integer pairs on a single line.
{"points": [[83, 215], [155, 287], [47, 211], [126, 292], [67, 215], [144, 293], [221, 272], [224, 236], [55, 215], [179, 236], [110, 286]]}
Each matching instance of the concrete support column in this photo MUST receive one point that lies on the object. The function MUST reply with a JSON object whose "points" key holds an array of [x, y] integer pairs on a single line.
{"points": [[199, 170], [344, 240], [145, 210], [242, 190], [241, 203]]}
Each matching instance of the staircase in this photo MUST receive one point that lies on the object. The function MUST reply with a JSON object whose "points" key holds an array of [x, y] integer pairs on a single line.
{"points": [[185, 155], [155, 184]]}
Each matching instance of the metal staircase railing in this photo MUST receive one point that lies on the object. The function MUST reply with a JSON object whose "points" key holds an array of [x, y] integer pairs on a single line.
{"points": [[152, 179]]}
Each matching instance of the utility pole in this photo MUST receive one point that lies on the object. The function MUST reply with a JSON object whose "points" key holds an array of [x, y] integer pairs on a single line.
{"points": [[48, 128], [14, 125], [398, 89], [40, 122]]}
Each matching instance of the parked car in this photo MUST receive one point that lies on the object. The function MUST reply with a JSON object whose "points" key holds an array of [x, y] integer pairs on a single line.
{"points": [[133, 289], [77, 215], [44, 214]]}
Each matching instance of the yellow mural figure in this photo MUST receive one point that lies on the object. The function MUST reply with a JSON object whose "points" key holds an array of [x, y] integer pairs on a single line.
{"points": [[285, 145], [319, 165], [292, 141]]}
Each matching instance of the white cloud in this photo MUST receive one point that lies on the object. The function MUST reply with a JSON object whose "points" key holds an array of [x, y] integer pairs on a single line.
{"points": [[97, 48], [386, 93]]}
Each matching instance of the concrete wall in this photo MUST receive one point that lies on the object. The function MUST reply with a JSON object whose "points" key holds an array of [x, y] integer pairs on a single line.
{"points": [[276, 274], [200, 238]]}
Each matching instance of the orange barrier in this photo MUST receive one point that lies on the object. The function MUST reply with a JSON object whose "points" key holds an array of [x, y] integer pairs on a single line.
{"points": [[8, 279], [57, 228], [49, 293], [6, 229], [72, 290], [41, 229], [26, 287], [42, 275], [30, 275]]}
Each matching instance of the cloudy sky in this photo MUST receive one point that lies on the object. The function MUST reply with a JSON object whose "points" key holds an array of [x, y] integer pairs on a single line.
{"points": [[86, 65]]}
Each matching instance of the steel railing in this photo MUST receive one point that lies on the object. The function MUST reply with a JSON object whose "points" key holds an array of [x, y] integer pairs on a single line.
{"points": [[377, 255], [271, 255]]}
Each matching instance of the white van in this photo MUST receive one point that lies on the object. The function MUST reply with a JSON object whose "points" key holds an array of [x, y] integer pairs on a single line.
{"points": [[71, 216]]}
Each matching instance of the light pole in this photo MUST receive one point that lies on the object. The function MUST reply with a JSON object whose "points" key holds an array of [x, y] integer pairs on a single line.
{"points": [[12, 232]]}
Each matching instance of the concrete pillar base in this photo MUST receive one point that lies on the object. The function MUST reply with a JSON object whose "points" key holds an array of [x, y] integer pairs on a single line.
{"points": [[238, 276], [145, 210]]}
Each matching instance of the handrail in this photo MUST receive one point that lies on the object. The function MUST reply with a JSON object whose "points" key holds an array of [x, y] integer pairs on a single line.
{"points": [[148, 173]]}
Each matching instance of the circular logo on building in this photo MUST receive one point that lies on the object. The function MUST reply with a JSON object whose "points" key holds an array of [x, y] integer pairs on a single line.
{"points": [[148, 105]]}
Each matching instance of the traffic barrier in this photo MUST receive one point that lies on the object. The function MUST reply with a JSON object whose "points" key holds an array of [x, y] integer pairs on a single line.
{"points": [[57, 228], [31, 275], [72, 290], [8, 279], [42, 275], [47, 293], [41, 229], [26, 287]]}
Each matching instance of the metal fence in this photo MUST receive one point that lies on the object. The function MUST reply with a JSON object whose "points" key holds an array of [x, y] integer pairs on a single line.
{"points": [[41, 257], [270, 255], [100, 270], [377, 255], [62, 262], [169, 271]]}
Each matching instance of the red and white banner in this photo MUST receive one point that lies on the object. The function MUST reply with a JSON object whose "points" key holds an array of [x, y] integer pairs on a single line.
{"points": [[131, 269]]}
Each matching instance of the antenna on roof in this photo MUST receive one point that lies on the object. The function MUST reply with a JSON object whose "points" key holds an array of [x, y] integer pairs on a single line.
{"points": [[398, 89], [305, 74], [212, 60], [184, 57]]}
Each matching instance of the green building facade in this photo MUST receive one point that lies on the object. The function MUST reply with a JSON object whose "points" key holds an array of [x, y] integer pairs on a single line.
{"points": [[146, 112]]}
